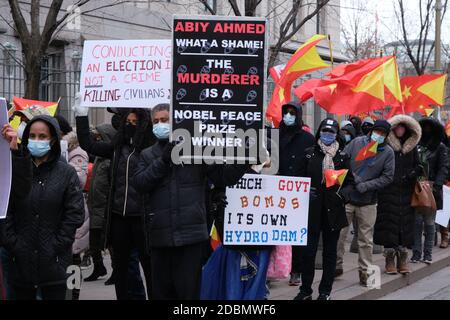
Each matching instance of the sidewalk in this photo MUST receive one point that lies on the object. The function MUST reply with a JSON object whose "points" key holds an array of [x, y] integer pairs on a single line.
{"points": [[346, 287]]}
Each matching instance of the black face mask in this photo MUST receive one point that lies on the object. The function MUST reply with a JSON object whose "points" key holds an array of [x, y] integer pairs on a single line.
{"points": [[115, 121], [366, 129], [129, 131]]}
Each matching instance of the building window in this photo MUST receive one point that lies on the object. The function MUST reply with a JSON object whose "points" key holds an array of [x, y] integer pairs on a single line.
{"points": [[9, 63]]}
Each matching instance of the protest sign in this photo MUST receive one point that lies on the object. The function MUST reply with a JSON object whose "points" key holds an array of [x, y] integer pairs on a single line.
{"points": [[218, 82], [125, 73], [267, 210], [443, 216], [5, 163]]}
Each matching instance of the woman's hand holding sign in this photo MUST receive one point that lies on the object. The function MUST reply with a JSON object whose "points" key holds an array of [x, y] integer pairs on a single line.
{"points": [[10, 135]]}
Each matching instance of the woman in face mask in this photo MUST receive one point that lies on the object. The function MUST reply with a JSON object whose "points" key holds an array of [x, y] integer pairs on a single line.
{"points": [[326, 208], [124, 230], [40, 229], [394, 227]]}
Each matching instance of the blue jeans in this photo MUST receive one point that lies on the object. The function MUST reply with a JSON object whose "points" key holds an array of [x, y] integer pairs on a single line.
{"points": [[6, 262], [424, 222]]}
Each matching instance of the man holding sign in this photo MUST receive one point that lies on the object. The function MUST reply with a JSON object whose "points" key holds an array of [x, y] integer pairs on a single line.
{"points": [[176, 213]]}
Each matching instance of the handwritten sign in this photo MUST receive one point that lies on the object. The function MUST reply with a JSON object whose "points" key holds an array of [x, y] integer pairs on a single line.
{"points": [[267, 210], [125, 73], [5, 163], [218, 80]]}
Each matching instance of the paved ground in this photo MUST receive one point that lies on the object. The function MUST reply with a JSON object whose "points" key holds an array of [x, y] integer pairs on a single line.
{"points": [[345, 287], [434, 287]]}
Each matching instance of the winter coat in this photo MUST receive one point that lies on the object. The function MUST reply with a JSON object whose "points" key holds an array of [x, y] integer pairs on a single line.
{"points": [[293, 143], [373, 173], [435, 153], [123, 198], [79, 160], [174, 197], [323, 198], [100, 184], [22, 172], [40, 229], [395, 216]]}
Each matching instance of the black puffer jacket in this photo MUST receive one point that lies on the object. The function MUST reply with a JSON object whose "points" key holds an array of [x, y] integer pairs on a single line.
{"points": [[395, 216], [40, 229], [123, 198], [175, 197], [293, 142], [323, 199], [434, 155]]}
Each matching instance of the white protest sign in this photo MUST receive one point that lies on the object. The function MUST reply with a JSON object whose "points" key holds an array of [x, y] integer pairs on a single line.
{"points": [[443, 216], [126, 73], [267, 210], [5, 163]]}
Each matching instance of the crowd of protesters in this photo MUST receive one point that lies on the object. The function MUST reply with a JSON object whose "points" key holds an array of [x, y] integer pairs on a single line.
{"points": [[118, 190]]}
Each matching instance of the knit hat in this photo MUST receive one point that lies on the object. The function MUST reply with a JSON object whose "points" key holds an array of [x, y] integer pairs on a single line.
{"points": [[382, 125]]}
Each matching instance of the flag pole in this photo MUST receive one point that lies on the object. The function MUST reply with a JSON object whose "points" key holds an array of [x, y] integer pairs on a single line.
{"points": [[330, 46]]}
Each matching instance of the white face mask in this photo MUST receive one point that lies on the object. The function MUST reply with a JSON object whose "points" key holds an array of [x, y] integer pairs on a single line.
{"points": [[21, 129]]}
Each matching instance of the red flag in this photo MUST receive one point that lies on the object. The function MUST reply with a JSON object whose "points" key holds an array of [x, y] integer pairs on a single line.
{"points": [[305, 60], [355, 88], [420, 93], [368, 151], [333, 177]]}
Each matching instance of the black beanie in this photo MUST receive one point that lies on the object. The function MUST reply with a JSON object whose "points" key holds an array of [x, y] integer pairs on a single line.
{"points": [[382, 125]]}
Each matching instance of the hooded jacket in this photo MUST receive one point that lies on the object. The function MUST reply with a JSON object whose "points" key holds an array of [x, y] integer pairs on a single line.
{"points": [[40, 229], [395, 216], [123, 198], [434, 154], [293, 142]]}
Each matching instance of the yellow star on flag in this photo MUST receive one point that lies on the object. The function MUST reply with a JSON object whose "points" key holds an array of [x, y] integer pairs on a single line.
{"points": [[406, 92]]}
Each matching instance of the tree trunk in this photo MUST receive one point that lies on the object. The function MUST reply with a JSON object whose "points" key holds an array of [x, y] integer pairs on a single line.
{"points": [[32, 76]]}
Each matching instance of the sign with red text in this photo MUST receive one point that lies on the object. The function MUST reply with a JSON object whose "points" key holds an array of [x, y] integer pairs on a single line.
{"points": [[126, 73], [218, 83], [267, 210]]}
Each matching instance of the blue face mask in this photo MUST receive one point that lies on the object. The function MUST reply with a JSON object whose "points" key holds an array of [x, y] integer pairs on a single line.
{"points": [[378, 138], [38, 148], [161, 130], [327, 138], [289, 119]]}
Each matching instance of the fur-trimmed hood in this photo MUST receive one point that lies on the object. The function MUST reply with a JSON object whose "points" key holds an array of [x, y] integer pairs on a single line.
{"points": [[413, 129]]}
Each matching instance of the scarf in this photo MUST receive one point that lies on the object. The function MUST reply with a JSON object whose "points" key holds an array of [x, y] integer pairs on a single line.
{"points": [[330, 152]]}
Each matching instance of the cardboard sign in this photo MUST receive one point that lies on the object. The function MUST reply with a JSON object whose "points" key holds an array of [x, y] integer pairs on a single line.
{"points": [[125, 73], [5, 163], [218, 81], [267, 210]]}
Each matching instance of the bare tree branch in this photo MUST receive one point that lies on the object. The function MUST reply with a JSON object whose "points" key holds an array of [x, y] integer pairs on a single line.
{"points": [[19, 20], [235, 7]]}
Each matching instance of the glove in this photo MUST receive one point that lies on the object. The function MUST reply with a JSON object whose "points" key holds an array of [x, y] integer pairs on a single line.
{"points": [[167, 152], [361, 187], [78, 110]]}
